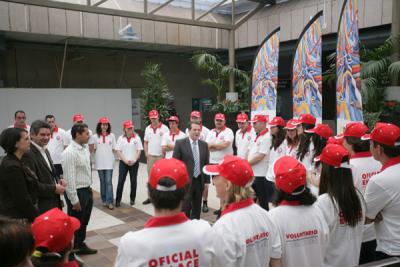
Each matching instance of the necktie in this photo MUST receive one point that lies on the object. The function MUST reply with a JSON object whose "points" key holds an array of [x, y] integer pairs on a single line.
{"points": [[196, 170]]}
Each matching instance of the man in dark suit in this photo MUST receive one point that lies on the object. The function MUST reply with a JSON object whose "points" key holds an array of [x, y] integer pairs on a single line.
{"points": [[194, 153], [38, 159]]}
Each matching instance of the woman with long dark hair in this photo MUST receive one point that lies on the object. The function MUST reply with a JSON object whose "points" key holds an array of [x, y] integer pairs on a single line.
{"points": [[306, 148], [302, 227], [278, 144], [320, 134], [342, 206], [104, 141], [292, 139]]}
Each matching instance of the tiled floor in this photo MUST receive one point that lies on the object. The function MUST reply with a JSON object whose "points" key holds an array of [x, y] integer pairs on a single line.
{"points": [[107, 226]]}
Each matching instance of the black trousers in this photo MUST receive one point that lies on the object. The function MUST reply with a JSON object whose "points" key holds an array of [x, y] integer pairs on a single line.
{"points": [[123, 171], [264, 190], [59, 170], [192, 203], [367, 252], [85, 196]]}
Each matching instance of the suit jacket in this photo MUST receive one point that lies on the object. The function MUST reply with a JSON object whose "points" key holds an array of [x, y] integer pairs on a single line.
{"points": [[183, 152], [18, 189], [47, 179]]}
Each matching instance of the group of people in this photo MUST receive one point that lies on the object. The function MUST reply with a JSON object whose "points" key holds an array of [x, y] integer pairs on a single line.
{"points": [[335, 199]]}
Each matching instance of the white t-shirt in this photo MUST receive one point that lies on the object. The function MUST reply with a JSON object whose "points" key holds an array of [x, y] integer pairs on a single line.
{"points": [[27, 127], [243, 140], [304, 234], [104, 155], [154, 137], [215, 138], [56, 145], [244, 236], [383, 195], [203, 134], [364, 166], [344, 241], [69, 137], [129, 147], [292, 151], [260, 144], [274, 155], [169, 139], [166, 241]]}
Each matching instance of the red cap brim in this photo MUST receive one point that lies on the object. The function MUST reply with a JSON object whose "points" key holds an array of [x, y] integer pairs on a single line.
{"points": [[310, 131], [211, 169], [339, 136]]}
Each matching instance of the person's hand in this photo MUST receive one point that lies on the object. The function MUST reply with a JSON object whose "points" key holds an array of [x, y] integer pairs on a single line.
{"points": [[59, 189], [77, 206], [62, 182], [131, 162], [378, 217]]}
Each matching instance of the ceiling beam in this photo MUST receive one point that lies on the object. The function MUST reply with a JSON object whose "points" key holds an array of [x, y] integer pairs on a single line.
{"points": [[248, 15], [211, 9], [160, 7], [99, 3], [121, 13]]}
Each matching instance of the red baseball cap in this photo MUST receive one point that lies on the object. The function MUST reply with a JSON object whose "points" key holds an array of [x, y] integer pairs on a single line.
{"points": [[333, 155], [322, 130], [128, 124], [232, 168], [290, 174], [54, 230], [173, 118], [171, 168], [355, 129], [77, 117], [277, 121], [104, 120], [195, 113], [153, 114], [291, 124], [336, 140], [242, 117], [306, 118], [384, 133], [219, 116], [260, 118]]}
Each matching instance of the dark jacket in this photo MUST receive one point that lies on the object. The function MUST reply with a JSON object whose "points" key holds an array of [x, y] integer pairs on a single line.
{"points": [[47, 179], [18, 189], [183, 152]]}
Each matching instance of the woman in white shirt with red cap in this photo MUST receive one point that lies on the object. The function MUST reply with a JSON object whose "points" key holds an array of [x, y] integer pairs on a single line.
{"points": [[292, 138], [305, 150], [129, 147], [278, 144], [342, 206], [104, 145], [169, 238], [244, 235], [302, 227]]}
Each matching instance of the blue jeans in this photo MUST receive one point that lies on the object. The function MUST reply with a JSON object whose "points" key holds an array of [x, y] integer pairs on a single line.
{"points": [[106, 186]]}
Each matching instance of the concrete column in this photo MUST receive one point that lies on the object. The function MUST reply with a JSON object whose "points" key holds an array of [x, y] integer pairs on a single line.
{"points": [[232, 59]]}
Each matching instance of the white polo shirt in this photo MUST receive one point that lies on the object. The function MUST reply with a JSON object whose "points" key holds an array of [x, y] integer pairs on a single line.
{"points": [[244, 236], [274, 155], [383, 195], [165, 241], [344, 241], [69, 137], [216, 138], [292, 150], [308, 160], [129, 147], [304, 234], [58, 140], [27, 127], [154, 136], [203, 134], [243, 140], [169, 139], [364, 166], [104, 155], [260, 144]]}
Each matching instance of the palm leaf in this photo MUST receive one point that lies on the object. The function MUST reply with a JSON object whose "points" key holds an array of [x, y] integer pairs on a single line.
{"points": [[374, 67], [394, 70]]}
